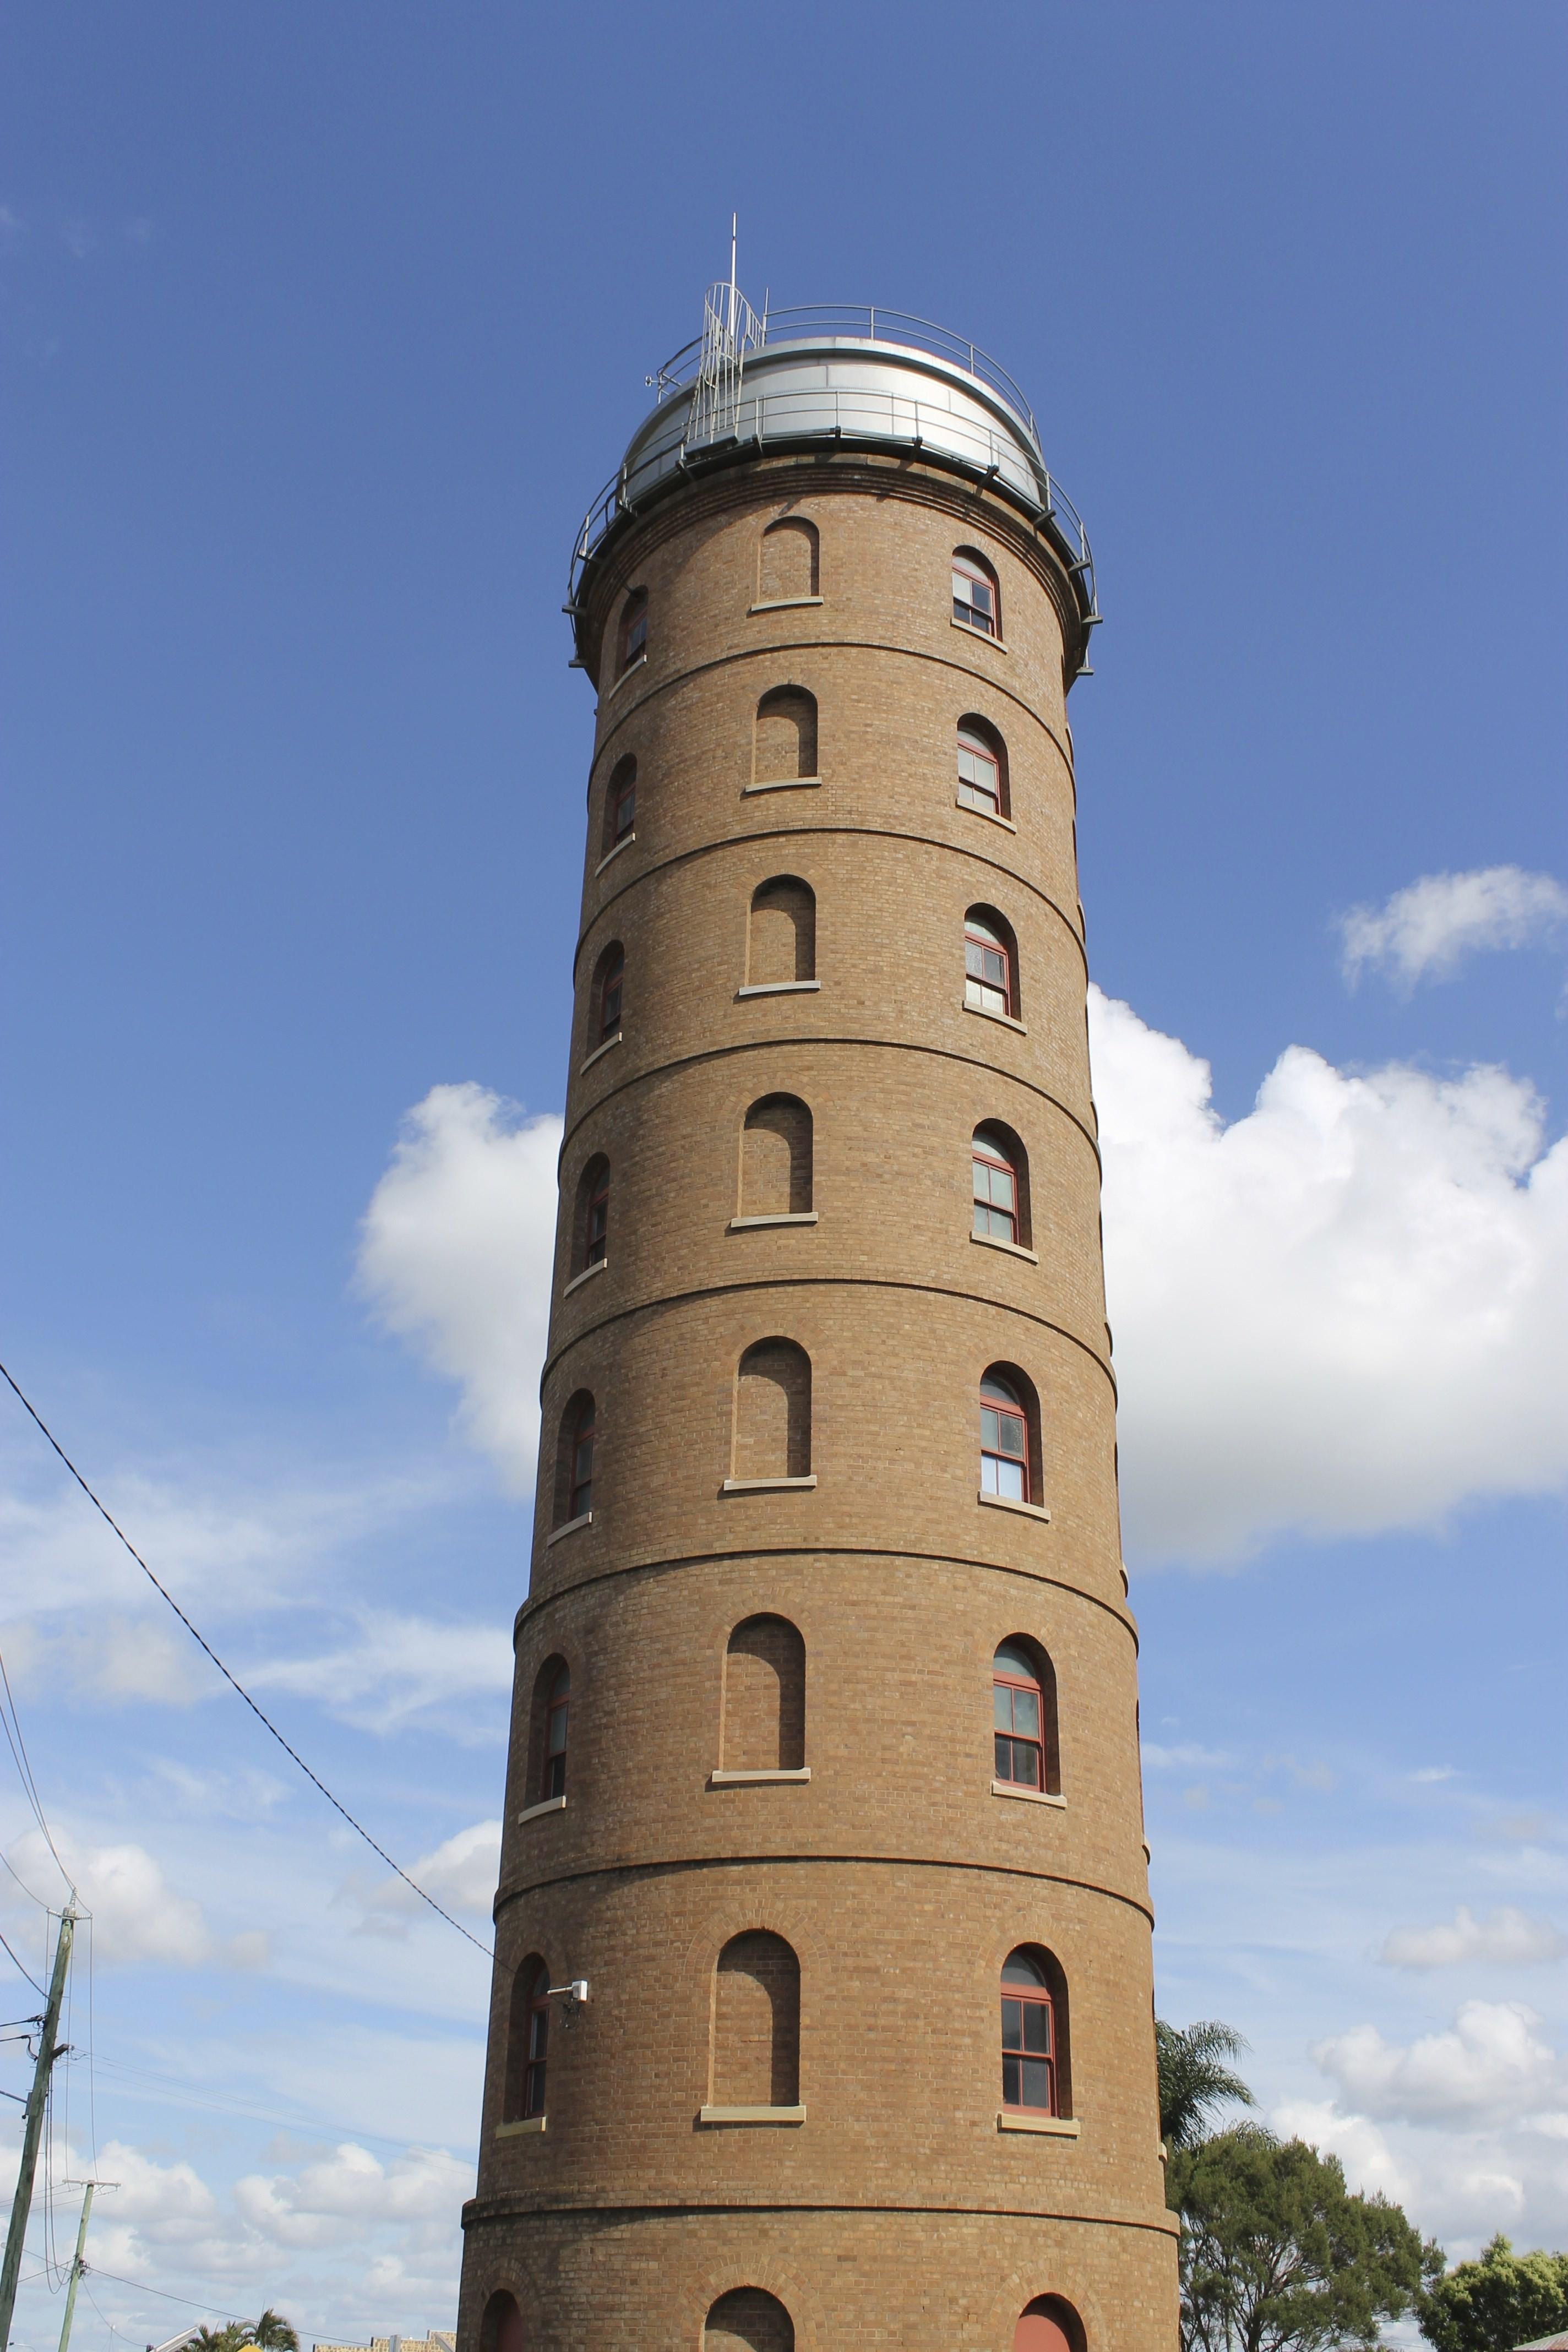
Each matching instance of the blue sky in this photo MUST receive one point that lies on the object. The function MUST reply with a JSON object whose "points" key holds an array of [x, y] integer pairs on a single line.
{"points": [[321, 329]]}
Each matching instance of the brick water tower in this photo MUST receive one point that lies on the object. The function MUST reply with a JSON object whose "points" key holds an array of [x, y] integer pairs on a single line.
{"points": [[821, 2008]]}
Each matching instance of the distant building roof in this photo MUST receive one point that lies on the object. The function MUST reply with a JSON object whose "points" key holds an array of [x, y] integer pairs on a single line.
{"points": [[434, 2342], [1558, 2343]]}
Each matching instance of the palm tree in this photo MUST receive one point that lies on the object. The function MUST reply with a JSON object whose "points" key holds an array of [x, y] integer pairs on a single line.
{"points": [[272, 2333], [1193, 2079]]}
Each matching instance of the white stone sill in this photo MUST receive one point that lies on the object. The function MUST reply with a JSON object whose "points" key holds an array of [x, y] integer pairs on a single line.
{"points": [[780, 988], [1028, 1796], [783, 1217], [784, 785], [516, 2131], [1013, 1249], [982, 635], [545, 1805], [586, 1275], [782, 604], [632, 669], [557, 1535], [722, 1779], [983, 1010], [585, 1067], [986, 816], [610, 855], [764, 1486], [1053, 2127], [1007, 1503], [750, 2114]]}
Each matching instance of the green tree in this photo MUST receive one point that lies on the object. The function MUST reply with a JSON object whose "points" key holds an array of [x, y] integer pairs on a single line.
{"points": [[1194, 2078], [1492, 2305], [272, 2333], [221, 2339], [1277, 2256]]}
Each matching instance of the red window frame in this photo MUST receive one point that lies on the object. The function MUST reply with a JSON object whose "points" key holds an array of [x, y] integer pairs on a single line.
{"points": [[1028, 2047], [634, 630], [1007, 1687], [557, 1711], [538, 2045], [978, 948], [596, 1218], [610, 980], [984, 1154], [986, 622], [1006, 1411], [987, 797], [623, 807], [585, 1433]]}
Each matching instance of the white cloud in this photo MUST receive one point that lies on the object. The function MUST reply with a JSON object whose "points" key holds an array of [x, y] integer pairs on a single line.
{"points": [[1506, 1936], [455, 1253], [1426, 930], [1491, 2066], [461, 1874], [422, 2191], [400, 1667], [1340, 1314], [136, 1913]]}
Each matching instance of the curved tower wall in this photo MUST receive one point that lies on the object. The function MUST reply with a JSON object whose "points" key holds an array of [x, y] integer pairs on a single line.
{"points": [[895, 2201]]}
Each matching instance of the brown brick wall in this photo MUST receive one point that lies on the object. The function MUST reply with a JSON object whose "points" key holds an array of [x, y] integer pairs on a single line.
{"points": [[892, 1879]]}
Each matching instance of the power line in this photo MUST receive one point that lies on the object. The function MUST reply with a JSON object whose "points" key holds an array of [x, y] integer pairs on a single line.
{"points": [[19, 1747], [264, 1720], [10, 1955]]}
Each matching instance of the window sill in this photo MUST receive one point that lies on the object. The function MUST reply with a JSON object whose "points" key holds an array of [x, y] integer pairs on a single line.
{"points": [[1007, 1503], [586, 1275], [1009, 1788], [985, 1012], [610, 855], [984, 636], [585, 1519], [750, 2114], [782, 604], [719, 1779], [631, 670], [987, 816], [784, 785], [583, 1066], [1055, 2127], [516, 2131], [545, 1805], [994, 1241], [764, 1486], [780, 988], [783, 1217]]}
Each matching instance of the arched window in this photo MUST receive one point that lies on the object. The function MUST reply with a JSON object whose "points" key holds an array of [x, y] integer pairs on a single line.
{"points": [[574, 1460], [784, 743], [1024, 1714], [1048, 2325], [976, 599], [775, 1159], [593, 1220], [1033, 2057], [620, 802], [604, 1006], [763, 1727], [756, 2023], [500, 2328], [748, 2319], [631, 642], [990, 962], [1009, 1436], [527, 2036], [788, 561], [781, 940], [772, 1412], [982, 768], [551, 1708], [1001, 1184]]}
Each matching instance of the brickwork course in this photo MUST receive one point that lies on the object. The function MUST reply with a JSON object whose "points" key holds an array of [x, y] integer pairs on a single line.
{"points": [[779, 2116]]}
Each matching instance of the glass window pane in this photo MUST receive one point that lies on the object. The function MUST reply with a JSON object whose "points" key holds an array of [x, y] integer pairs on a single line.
{"points": [[1002, 1706], [990, 1426], [1012, 2083], [1011, 2024], [1025, 1713], [989, 1468], [1012, 1430], [1020, 1968], [1036, 2027], [1036, 2073], [1010, 1480], [1004, 1767], [1011, 1658]]}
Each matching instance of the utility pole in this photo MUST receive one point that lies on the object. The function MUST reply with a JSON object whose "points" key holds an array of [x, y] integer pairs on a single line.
{"points": [[78, 2266], [33, 2124]]}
